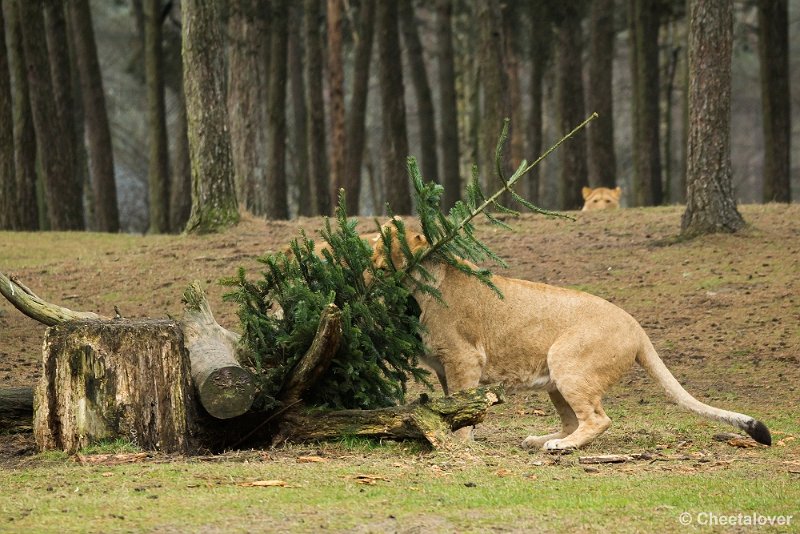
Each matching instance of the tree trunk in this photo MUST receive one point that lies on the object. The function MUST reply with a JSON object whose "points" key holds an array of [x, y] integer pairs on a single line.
{"points": [[244, 93], [511, 13], [431, 420], [356, 118], [602, 160], [644, 26], [180, 190], [773, 52], [571, 112], [62, 190], [89, 392], [158, 168], [277, 201], [61, 72], [494, 82], [429, 162], [24, 134], [710, 204], [336, 97], [317, 147], [393, 111], [104, 188], [299, 110], [540, 50], [448, 115], [214, 205], [9, 218]]}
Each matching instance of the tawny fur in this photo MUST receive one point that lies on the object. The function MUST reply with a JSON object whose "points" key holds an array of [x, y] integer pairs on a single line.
{"points": [[572, 344], [600, 198]]}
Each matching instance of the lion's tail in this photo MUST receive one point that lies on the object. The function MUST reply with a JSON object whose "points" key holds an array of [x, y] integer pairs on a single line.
{"points": [[649, 359]]}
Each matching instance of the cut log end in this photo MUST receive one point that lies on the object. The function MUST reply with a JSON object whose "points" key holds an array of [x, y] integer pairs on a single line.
{"points": [[227, 392]]}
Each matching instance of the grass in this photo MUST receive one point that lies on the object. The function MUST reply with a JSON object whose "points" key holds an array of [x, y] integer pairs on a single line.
{"points": [[439, 492]]}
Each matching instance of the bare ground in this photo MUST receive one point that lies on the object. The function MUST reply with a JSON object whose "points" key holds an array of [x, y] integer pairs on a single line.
{"points": [[723, 310]]}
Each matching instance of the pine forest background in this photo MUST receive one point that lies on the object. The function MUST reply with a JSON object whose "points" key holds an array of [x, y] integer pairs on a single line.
{"points": [[292, 67]]}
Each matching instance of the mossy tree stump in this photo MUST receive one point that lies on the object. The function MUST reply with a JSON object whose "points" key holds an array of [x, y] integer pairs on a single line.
{"points": [[115, 380]]}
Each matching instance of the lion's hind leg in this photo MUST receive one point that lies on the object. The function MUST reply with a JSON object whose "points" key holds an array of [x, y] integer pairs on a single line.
{"points": [[569, 423], [591, 421]]}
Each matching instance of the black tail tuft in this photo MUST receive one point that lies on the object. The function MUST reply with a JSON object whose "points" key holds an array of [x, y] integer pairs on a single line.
{"points": [[758, 431]]}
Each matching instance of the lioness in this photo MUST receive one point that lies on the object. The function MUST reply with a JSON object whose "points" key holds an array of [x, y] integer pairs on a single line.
{"points": [[600, 198], [572, 344]]}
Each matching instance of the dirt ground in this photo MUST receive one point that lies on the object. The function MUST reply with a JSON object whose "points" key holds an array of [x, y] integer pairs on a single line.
{"points": [[723, 311]]}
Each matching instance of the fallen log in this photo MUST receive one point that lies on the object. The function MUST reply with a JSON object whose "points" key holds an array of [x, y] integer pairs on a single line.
{"points": [[224, 387], [16, 410], [430, 420]]}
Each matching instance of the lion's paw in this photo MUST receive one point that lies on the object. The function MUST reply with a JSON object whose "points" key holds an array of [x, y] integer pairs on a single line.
{"points": [[558, 445], [533, 442]]}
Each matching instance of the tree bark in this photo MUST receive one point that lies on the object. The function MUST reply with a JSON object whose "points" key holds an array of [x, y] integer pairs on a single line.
{"points": [[644, 27], [494, 82], [336, 98], [88, 392], [62, 190], [356, 118], [540, 51], [104, 188], [773, 53], [244, 93], [511, 13], [214, 205], [602, 160], [24, 133], [224, 388], [299, 110], [9, 218], [429, 162], [571, 111], [317, 147], [158, 167], [431, 420], [393, 111], [61, 71], [710, 204], [180, 190], [448, 115], [277, 201]]}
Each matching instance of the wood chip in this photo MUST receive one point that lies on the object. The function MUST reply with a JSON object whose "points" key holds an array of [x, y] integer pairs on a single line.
{"points": [[370, 479], [742, 443], [311, 459], [264, 484], [605, 459], [111, 459]]}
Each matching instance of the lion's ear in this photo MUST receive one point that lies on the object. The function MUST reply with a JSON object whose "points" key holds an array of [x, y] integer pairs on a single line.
{"points": [[586, 192], [617, 192]]}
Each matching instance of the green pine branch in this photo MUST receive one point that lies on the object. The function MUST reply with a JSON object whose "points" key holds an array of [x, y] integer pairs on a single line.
{"points": [[451, 236]]}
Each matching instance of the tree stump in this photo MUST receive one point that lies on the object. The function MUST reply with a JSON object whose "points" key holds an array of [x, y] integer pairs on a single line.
{"points": [[115, 379]]}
